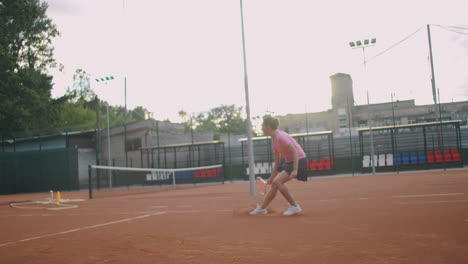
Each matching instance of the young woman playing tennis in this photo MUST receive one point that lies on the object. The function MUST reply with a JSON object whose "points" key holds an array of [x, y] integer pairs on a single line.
{"points": [[294, 167]]}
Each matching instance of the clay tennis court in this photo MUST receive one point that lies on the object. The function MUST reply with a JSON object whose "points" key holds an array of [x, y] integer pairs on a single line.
{"points": [[393, 218]]}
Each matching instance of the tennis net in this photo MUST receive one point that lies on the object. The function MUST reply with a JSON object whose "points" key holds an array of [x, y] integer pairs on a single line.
{"points": [[109, 180]]}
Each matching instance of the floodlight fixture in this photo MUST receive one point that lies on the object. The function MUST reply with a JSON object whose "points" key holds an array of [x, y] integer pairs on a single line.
{"points": [[363, 43], [104, 79]]}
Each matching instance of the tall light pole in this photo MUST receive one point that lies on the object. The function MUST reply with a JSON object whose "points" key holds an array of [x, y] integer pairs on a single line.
{"points": [[247, 108], [125, 122], [110, 78], [350, 125], [433, 82], [125, 92], [109, 157], [434, 90], [395, 145], [363, 45]]}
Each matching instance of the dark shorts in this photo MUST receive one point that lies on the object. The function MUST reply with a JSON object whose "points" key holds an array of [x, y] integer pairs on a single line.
{"points": [[301, 170]]}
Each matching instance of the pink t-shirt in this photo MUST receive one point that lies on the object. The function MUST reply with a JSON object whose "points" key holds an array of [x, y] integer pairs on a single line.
{"points": [[281, 142]]}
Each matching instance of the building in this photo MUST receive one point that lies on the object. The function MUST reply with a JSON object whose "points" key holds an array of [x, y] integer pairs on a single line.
{"points": [[345, 113], [50, 159], [60, 161], [342, 91], [145, 133]]}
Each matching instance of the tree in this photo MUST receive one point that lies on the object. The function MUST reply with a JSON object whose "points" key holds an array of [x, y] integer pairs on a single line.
{"points": [[81, 85], [138, 113], [26, 54], [221, 120], [187, 119], [229, 119], [205, 122], [26, 35], [75, 116], [117, 114]]}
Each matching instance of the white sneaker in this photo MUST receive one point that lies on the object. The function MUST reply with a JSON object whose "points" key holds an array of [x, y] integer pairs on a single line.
{"points": [[259, 211], [292, 210]]}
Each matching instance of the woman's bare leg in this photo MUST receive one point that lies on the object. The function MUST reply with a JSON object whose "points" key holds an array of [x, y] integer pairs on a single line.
{"points": [[278, 185]]}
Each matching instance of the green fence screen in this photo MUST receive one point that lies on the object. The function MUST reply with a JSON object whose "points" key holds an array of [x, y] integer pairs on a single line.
{"points": [[39, 171]]}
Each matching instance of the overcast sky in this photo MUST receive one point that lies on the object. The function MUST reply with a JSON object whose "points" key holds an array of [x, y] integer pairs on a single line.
{"points": [[187, 54]]}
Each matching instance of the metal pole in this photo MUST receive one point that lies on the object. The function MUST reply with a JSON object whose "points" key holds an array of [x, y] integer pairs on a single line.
{"points": [[361, 146], [394, 134], [364, 54], [141, 158], [224, 165], [229, 147], [434, 91], [125, 123], [109, 147], [369, 121], [393, 111], [442, 148], [98, 138], [434, 95], [425, 141], [109, 158], [307, 132], [350, 124], [191, 126], [67, 139], [249, 122], [192, 156], [157, 133]]}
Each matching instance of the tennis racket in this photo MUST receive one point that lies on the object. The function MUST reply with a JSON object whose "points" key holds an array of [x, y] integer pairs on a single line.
{"points": [[261, 185]]}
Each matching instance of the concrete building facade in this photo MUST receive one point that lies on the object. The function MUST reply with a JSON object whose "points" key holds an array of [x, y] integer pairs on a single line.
{"points": [[345, 113]]}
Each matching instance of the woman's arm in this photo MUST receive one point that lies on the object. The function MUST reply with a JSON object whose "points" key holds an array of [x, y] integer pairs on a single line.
{"points": [[275, 168], [293, 150]]}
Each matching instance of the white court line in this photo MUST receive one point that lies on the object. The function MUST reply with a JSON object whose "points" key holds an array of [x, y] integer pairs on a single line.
{"points": [[84, 228], [111, 223], [198, 211], [427, 195], [77, 214], [165, 206], [326, 200], [12, 215], [433, 202]]}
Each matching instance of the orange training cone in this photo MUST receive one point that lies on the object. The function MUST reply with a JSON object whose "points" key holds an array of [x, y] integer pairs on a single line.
{"points": [[58, 197]]}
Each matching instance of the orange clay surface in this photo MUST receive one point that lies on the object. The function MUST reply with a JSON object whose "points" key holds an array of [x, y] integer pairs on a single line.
{"points": [[399, 218]]}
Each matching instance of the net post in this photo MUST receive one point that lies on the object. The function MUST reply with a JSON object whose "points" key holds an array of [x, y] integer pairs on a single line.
{"points": [[173, 178], [90, 183], [98, 183]]}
